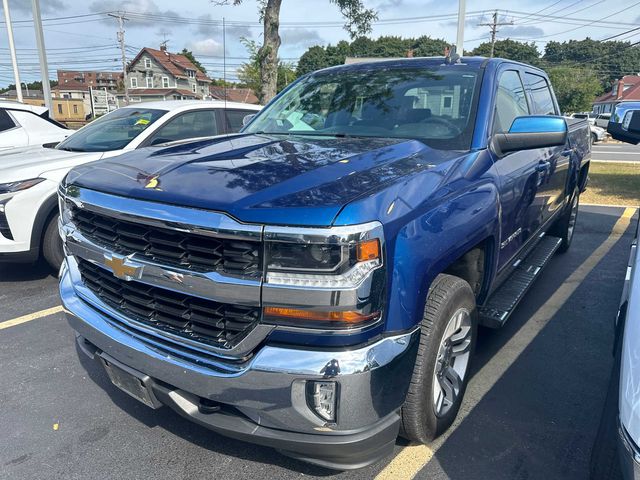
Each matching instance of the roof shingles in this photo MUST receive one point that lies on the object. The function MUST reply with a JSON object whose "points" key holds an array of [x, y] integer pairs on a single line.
{"points": [[174, 63]]}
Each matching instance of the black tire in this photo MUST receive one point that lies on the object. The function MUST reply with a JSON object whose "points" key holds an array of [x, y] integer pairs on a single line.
{"points": [[605, 460], [564, 228], [447, 296], [52, 244], [594, 138]]}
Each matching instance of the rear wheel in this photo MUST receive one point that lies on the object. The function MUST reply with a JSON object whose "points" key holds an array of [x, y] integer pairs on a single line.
{"points": [[440, 375], [52, 244]]}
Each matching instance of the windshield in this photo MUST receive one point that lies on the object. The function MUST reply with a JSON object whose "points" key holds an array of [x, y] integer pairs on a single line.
{"points": [[114, 131], [434, 105]]}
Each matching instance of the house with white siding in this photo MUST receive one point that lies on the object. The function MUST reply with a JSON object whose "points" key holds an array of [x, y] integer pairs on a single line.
{"points": [[161, 75]]}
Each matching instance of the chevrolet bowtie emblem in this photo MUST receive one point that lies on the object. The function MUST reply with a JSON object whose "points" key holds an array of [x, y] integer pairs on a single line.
{"points": [[119, 267]]}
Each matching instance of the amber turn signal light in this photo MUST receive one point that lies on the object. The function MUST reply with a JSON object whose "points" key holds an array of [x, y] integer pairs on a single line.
{"points": [[350, 317], [368, 250]]}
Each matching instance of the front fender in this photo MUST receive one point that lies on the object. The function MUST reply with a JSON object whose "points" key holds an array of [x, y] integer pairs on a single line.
{"points": [[431, 242]]}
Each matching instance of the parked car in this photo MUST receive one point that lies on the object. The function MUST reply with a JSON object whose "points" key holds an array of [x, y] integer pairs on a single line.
{"points": [[314, 283], [22, 125], [29, 177], [616, 451], [589, 116], [597, 134], [602, 120]]}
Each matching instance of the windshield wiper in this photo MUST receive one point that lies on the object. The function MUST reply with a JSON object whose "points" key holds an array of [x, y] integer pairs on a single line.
{"points": [[71, 149]]}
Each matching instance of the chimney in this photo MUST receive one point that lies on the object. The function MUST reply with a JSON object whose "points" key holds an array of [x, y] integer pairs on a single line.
{"points": [[163, 47], [620, 89]]}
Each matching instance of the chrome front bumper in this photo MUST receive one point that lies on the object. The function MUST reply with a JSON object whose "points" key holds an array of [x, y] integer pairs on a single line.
{"points": [[268, 389]]}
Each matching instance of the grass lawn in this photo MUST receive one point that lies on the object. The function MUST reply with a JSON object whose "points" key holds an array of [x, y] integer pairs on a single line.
{"points": [[613, 184]]}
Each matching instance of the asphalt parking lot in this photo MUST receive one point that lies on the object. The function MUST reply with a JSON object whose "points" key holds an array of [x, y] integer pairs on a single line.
{"points": [[531, 409]]}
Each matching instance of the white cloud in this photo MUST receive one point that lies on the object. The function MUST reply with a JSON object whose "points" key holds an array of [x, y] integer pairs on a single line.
{"points": [[207, 46], [133, 7], [300, 37]]}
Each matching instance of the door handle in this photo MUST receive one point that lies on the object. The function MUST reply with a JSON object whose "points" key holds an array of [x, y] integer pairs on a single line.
{"points": [[543, 166]]}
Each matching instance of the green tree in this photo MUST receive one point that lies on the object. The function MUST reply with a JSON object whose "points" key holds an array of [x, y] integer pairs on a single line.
{"points": [[610, 60], [249, 73], [313, 59], [575, 88], [511, 50], [425, 46], [318, 57], [37, 85], [358, 20], [192, 58]]}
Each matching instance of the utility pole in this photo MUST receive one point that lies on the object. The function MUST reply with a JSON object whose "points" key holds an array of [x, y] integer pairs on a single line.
{"points": [[494, 29], [460, 36], [12, 49], [42, 55], [121, 19]]}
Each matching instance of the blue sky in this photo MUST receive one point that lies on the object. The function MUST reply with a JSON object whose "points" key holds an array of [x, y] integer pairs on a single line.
{"points": [[90, 42]]}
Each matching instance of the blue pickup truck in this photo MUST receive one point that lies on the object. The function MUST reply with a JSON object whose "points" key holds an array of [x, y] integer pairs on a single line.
{"points": [[315, 282]]}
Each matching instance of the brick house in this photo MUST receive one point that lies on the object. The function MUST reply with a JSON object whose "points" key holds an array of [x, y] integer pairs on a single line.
{"points": [[627, 89], [160, 75]]}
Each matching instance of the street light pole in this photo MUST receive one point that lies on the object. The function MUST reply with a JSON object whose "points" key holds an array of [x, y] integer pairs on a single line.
{"points": [[42, 54], [12, 50], [461, 19], [121, 18]]}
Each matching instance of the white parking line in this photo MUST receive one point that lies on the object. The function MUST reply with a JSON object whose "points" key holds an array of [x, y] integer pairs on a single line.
{"points": [[410, 460], [32, 316]]}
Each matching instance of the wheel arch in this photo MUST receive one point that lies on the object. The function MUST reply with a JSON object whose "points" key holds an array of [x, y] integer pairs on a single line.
{"points": [[46, 211]]}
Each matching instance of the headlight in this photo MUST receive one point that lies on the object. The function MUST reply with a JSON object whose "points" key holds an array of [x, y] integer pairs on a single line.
{"points": [[342, 262], [13, 187]]}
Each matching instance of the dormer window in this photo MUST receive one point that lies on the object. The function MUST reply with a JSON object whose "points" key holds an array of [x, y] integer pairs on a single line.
{"points": [[191, 73], [147, 63]]}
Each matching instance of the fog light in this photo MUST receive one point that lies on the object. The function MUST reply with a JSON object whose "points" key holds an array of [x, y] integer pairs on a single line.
{"points": [[322, 398]]}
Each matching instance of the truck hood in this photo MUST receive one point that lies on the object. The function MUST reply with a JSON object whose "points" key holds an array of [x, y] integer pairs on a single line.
{"points": [[278, 179], [32, 162]]}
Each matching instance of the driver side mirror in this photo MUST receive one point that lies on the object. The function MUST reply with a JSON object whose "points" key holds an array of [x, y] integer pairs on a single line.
{"points": [[247, 119], [534, 131], [625, 123]]}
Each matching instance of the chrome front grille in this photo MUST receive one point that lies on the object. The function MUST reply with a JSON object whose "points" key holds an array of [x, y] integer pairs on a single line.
{"points": [[185, 250], [201, 320]]}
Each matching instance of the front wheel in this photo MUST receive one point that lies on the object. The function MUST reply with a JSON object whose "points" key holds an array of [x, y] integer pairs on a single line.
{"points": [[566, 225], [447, 340], [52, 244]]}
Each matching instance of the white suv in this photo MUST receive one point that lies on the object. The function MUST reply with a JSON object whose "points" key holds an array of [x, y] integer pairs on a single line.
{"points": [[29, 177], [22, 125]]}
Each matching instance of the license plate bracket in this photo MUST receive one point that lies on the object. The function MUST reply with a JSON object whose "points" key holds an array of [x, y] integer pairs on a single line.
{"points": [[130, 381]]}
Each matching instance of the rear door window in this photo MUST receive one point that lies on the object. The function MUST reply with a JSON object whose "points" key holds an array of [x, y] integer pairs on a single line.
{"points": [[511, 101], [540, 94], [234, 119], [196, 124], [6, 122]]}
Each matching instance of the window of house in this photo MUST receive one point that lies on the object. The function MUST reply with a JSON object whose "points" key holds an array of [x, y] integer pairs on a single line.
{"points": [[134, 82], [165, 82], [196, 124], [147, 63], [191, 73], [60, 108], [149, 81], [511, 101], [75, 109], [193, 88], [540, 95]]}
